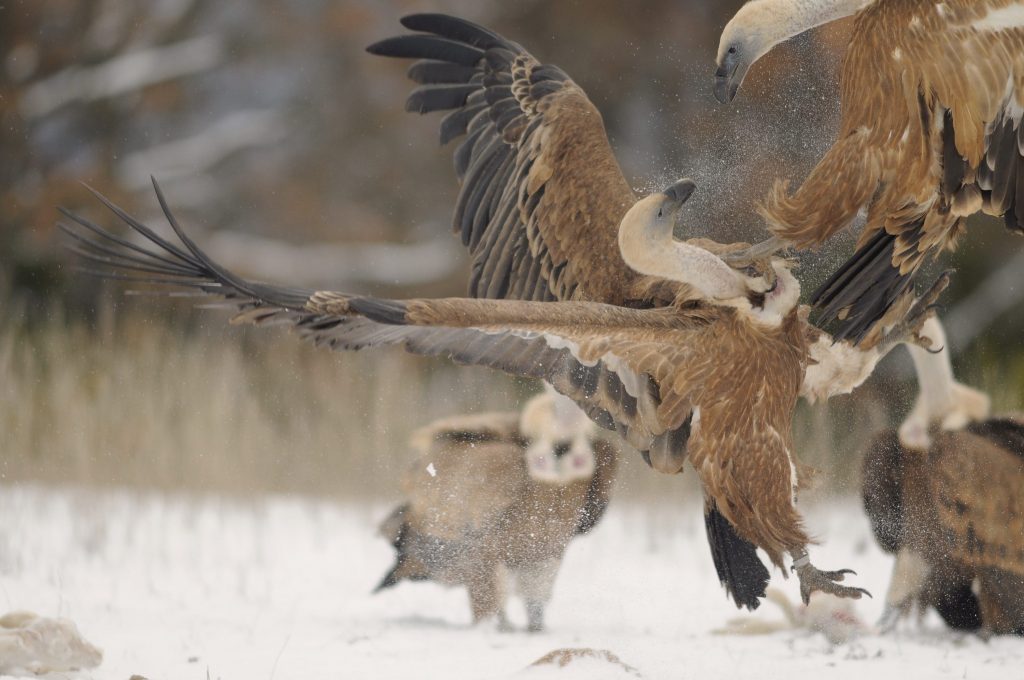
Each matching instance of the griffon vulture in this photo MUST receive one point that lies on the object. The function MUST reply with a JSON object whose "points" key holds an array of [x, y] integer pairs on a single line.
{"points": [[524, 486], [713, 380], [932, 97], [954, 517], [541, 194]]}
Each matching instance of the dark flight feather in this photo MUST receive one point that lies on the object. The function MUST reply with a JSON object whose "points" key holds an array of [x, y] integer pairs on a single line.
{"points": [[739, 568]]}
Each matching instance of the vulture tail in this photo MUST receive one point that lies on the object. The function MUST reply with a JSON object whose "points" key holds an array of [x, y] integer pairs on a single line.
{"points": [[861, 291], [398, 532], [959, 607], [739, 568]]}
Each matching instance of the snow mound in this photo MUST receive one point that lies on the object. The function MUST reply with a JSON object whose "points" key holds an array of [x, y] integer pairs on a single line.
{"points": [[33, 645], [582, 662]]}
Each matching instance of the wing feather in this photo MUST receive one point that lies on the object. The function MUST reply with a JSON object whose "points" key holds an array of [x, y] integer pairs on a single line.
{"points": [[618, 364], [538, 174]]}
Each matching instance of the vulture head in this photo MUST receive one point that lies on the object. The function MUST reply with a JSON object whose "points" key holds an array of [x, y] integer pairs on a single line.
{"points": [[560, 449], [759, 26], [752, 279], [748, 36]]}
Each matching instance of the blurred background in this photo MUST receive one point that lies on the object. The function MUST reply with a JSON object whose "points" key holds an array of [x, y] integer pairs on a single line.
{"points": [[286, 151]]}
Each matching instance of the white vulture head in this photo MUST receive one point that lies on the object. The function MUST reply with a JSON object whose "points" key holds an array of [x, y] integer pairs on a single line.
{"points": [[560, 449], [760, 25], [752, 280]]}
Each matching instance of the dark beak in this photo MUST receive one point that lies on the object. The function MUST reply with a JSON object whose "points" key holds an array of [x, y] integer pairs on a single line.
{"points": [[561, 449], [680, 191], [728, 77]]}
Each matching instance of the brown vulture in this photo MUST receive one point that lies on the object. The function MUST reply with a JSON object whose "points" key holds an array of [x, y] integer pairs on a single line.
{"points": [[497, 497], [932, 94]]}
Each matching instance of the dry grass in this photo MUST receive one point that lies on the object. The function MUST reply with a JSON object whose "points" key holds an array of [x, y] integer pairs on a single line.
{"points": [[191, 403], [142, 403], [187, 402]]}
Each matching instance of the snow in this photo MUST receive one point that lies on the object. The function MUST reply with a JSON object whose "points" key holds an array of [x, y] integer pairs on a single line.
{"points": [[180, 586]]}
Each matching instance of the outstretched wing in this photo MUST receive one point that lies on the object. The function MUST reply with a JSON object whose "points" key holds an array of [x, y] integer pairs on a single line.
{"points": [[630, 370], [542, 194]]}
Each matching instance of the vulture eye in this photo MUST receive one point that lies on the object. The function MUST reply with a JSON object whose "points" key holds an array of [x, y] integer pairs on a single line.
{"points": [[660, 212], [751, 271], [732, 50]]}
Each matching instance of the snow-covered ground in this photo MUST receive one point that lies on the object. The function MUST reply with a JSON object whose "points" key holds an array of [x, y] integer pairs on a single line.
{"points": [[183, 587]]}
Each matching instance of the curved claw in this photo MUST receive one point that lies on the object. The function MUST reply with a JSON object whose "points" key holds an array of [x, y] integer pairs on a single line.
{"points": [[813, 579]]}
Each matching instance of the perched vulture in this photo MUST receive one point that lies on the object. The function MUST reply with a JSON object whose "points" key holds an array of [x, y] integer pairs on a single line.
{"points": [[954, 517], [500, 494], [932, 95], [712, 379]]}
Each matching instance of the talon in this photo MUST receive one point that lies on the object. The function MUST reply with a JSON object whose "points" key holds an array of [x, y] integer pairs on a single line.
{"points": [[813, 579]]}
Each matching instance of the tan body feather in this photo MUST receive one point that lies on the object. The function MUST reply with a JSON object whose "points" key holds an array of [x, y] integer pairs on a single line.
{"points": [[907, 63], [957, 508]]}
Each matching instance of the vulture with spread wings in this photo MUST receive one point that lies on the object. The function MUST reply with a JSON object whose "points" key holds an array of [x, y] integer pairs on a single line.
{"points": [[711, 378], [932, 95]]}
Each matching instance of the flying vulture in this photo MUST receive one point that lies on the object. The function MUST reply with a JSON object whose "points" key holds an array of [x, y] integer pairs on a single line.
{"points": [[541, 194], [954, 517], [932, 95], [526, 485], [712, 379]]}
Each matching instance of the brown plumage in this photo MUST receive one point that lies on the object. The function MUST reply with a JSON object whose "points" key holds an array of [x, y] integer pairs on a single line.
{"points": [[932, 98], [523, 487], [712, 382], [954, 516], [541, 194]]}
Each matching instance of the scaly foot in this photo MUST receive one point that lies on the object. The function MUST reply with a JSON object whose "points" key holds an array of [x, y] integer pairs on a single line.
{"points": [[813, 579]]}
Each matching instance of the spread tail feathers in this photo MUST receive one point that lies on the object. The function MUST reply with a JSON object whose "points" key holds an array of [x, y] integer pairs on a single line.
{"points": [[959, 607], [396, 530], [739, 568]]}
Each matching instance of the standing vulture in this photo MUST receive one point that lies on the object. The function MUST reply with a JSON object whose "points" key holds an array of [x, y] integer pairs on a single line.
{"points": [[932, 95], [500, 494], [711, 378], [954, 517]]}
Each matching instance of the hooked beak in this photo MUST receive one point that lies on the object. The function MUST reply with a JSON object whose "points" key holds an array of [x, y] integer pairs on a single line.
{"points": [[679, 192], [728, 77]]}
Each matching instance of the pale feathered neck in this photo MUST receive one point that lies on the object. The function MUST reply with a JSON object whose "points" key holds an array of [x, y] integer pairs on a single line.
{"points": [[775, 21], [650, 249]]}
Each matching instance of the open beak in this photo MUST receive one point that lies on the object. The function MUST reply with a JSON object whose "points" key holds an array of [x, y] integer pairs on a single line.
{"points": [[728, 77], [679, 192]]}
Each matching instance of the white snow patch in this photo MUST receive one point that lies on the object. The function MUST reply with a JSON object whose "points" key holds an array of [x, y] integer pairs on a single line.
{"points": [[181, 586], [431, 470]]}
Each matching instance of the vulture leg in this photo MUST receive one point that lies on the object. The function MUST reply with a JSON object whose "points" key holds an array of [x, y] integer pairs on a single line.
{"points": [[940, 399], [535, 584], [757, 251], [813, 579], [909, 576]]}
